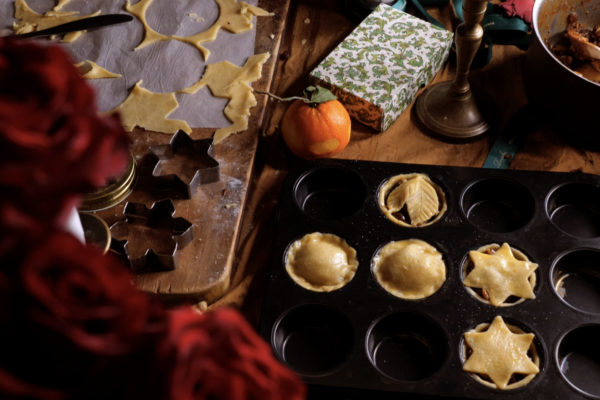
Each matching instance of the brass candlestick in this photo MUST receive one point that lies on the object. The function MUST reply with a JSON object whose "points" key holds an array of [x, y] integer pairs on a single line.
{"points": [[455, 111]]}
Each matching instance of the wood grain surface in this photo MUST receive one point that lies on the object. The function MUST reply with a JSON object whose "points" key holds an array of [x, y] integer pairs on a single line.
{"points": [[544, 150], [205, 265]]}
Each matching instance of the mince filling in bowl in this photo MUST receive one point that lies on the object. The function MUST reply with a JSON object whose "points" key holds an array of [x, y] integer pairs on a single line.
{"points": [[572, 52]]}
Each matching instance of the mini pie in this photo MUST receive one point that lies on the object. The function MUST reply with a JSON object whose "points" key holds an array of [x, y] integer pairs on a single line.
{"points": [[409, 269], [500, 274], [412, 200], [499, 351], [321, 262]]}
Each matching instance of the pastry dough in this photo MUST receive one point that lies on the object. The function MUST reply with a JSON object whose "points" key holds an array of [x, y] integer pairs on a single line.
{"points": [[500, 352], [409, 269], [321, 262], [229, 81], [234, 17], [501, 274], [421, 197], [150, 111], [96, 72], [30, 21], [61, 4]]}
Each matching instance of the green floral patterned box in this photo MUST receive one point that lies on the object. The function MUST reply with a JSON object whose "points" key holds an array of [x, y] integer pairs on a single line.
{"points": [[377, 70]]}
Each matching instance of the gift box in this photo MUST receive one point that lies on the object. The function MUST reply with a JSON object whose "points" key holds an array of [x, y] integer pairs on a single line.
{"points": [[377, 70]]}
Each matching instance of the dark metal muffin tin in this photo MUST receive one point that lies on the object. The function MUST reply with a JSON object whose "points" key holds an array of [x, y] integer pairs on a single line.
{"points": [[362, 339]]}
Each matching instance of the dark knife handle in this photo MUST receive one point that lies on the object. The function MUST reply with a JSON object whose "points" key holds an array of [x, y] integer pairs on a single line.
{"points": [[79, 25]]}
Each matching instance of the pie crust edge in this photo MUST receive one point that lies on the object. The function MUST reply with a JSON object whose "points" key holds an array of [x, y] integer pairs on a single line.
{"points": [[393, 182], [351, 256]]}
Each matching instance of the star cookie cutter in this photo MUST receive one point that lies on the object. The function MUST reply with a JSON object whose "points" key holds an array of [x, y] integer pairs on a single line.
{"points": [[159, 217], [202, 152]]}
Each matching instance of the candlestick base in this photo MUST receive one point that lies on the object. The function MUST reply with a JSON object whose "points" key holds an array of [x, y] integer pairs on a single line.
{"points": [[452, 120]]}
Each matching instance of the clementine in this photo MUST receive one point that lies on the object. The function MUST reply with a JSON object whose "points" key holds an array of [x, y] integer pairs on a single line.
{"points": [[316, 130]]}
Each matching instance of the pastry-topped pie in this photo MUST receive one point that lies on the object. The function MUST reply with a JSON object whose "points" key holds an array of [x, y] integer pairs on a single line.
{"points": [[412, 200], [321, 262], [501, 356], [409, 269], [499, 275]]}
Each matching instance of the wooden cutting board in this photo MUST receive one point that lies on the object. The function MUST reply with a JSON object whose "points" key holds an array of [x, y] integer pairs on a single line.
{"points": [[205, 266]]}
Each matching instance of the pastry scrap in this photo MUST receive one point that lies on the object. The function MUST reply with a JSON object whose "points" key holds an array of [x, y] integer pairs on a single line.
{"points": [[233, 16], [61, 4], [412, 200], [500, 274], [30, 21], [501, 352], [96, 71], [195, 17], [409, 269], [321, 262], [229, 81], [150, 110]]}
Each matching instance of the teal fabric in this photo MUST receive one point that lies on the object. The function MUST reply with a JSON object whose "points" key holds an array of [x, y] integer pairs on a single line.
{"points": [[502, 153], [400, 5], [497, 29], [522, 124]]}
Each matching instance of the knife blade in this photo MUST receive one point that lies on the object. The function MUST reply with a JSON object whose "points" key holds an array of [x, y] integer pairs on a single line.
{"points": [[80, 25]]}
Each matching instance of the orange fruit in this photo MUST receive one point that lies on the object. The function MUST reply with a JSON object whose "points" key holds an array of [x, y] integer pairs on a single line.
{"points": [[316, 130]]}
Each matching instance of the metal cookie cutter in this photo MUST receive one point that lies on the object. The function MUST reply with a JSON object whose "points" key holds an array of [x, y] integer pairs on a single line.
{"points": [[158, 236], [201, 167]]}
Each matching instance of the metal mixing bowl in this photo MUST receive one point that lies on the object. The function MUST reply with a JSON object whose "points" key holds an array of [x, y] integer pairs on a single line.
{"points": [[571, 102]]}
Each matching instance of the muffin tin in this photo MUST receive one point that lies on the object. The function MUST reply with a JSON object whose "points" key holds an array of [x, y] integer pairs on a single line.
{"points": [[362, 340]]}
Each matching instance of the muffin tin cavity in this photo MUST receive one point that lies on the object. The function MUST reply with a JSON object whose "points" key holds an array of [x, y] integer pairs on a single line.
{"points": [[313, 339], [574, 208], [578, 358], [535, 354], [576, 279], [406, 346], [498, 205], [481, 294], [330, 194]]}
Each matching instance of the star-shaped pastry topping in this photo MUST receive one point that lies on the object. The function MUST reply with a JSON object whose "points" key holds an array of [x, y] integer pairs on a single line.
{"points": [[499, 353], [501, 275]]}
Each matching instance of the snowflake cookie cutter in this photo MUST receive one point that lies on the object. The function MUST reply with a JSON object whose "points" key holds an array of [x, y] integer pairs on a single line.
{"points": [[206, 169], [156, 251]]}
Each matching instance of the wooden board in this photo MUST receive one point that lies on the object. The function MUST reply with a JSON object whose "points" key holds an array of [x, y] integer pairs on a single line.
{"points": [[205, 266]]}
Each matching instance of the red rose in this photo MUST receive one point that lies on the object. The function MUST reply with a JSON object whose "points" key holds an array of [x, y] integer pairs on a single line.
{"points": [[53, 144], [13, 388], [516, 8], [72, 324], [87, 296], [217, 355]]}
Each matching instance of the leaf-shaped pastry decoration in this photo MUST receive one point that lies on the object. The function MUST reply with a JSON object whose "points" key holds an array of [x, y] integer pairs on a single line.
{"points": [[420, 199]]}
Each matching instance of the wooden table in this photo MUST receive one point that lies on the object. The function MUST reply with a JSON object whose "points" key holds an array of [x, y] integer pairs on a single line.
{"points": [[402, 142]]}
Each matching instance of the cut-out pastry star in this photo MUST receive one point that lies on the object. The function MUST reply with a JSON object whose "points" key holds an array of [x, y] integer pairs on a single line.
{"points": [[150, 110], [501, 275], [229, 81], [499, 353]]}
